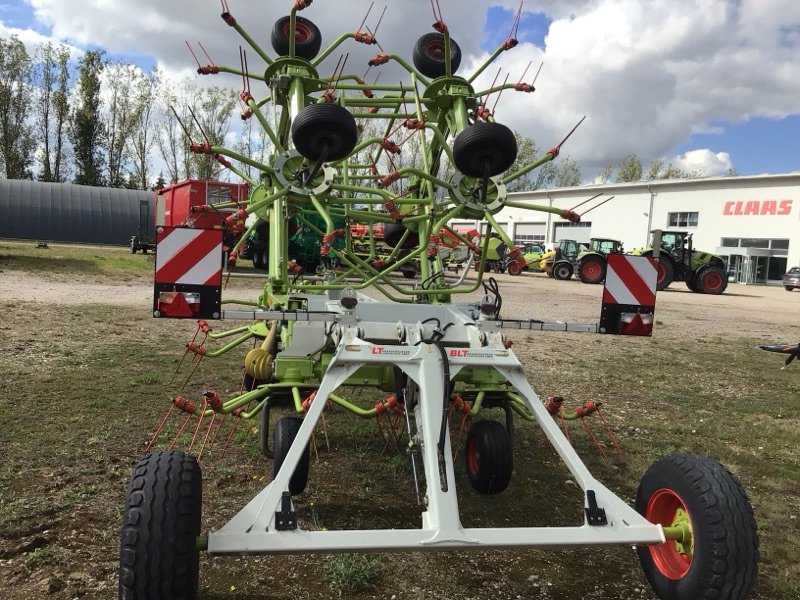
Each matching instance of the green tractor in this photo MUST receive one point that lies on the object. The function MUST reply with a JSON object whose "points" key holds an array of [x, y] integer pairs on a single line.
{"points": [[703, 272], [532, 255], [591, 263]]}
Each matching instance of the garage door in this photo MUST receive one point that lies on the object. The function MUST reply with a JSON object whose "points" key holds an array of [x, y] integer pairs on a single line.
{"points": [[526, 233], [580, 232]]}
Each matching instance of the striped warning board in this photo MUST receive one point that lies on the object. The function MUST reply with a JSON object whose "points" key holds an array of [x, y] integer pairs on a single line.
{"points": [[188, 272], [629, 296]]}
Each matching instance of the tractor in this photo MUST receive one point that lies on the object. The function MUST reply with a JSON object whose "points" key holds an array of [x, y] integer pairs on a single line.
{"points": [[703, 272], [312, 342], [592, 263], [531, 257], [560, 262]]}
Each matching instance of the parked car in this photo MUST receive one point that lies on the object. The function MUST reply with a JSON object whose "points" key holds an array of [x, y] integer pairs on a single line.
{"points": [[791, 279]]}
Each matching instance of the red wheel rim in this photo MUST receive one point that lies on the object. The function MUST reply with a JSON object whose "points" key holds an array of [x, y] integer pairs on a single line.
{"points": [[712, 280], [435, 49], [662, 272], [473, 456], [671, 558], [591, 270], [302, 31]]}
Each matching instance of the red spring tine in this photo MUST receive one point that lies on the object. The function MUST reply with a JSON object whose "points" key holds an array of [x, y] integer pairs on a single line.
{"points": [[378, 24], [205, 437], [216, 431], [194, 56], [515, 22], [199, 422], [521, 77], [179, 432], [594, 440], [364, 20], [230, 435], [159, 427], [499, 94], [609, 433], [539, 70], [486, 99]]}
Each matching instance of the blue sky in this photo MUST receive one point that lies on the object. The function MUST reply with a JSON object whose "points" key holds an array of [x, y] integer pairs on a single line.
{"points": [[713, 85]]}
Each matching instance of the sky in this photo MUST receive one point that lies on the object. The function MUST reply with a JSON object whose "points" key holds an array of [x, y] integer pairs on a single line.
{"points": [[709, 85]]}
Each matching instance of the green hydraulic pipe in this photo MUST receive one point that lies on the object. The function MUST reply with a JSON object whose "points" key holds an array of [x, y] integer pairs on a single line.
{"points": [[222, 334], [228, 346], [353, 408]]}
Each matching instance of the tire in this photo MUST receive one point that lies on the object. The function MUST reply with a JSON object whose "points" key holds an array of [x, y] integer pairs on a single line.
{"points": [[666, 273], [321, 126], [788, 288], [307, 41], [428, 55], [550, 274], [393, 233], [489, 457], [711, 280], [283, 435], [514, 268], [562, 271], [721, 562], [409, 274], [485, 148], [592, 270], [161, 523], [692, 283], [260, 257]]}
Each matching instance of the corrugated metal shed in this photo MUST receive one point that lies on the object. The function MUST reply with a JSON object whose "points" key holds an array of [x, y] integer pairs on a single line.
{"points": [[65, 212]]}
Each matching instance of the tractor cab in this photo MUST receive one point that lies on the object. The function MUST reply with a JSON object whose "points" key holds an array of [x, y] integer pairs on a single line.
{"points": [[605, 246]]}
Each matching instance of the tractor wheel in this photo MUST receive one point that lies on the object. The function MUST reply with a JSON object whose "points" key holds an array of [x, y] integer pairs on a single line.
{"points": [[324, 130], [788, 288], [283, 435], [718, 557], [514, 268], [428, 55], [562, 271], [307, 41], [160, 527], [666, 273], [489, 456], [692, 283], [711, 280], [592, 270], [260, 258], [550, 273], [485, 148]]}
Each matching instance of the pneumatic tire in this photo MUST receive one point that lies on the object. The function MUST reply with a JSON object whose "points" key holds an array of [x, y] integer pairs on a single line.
{"points": [[485, 148], [160, 527], [592, 270], [665, 274], [489, 456], [283, 435], [428, 55], [711, 280], [720, 560], [324, 129], [562, 270], [307, 42]]}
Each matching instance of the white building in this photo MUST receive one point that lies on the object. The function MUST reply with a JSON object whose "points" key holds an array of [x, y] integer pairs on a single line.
{"points": [[752, 222]]}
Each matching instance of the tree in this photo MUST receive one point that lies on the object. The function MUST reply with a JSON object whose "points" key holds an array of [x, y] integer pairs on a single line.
{"points": [[604, 176], [17, 140], [87, 133], [657, 170], [142, 138], [213, 108], [629, 169], [568, 173], [120, 118], [51, 106]]}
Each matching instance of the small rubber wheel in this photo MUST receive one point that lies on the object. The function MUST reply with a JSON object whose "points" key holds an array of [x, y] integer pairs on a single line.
{"points": [[718, 556], [485, 148], [562, 271], [592, 270], [133, 247], [324, 129], [428, 55], [489, 456], [283, 435], [666, 273], [307, 41], [788, 288], [160, 526], [711, 280], [393, 233], [514, 268]]}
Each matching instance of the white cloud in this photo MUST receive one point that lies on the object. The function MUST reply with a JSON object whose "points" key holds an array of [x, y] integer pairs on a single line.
{"points": [[704, 161], [646, 74]]}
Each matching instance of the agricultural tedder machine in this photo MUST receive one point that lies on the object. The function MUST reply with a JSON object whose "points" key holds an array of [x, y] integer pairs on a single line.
{"points": [[312, 336]]}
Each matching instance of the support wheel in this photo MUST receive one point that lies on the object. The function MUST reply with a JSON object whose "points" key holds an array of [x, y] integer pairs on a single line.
{"points": [[307, 41], [711, 280], [324, 131], [717, 558], [514, 268], [428, 55], [562, 271], [161, 523], [592, 270], [283, 435], [489, 456], [485, 149]]}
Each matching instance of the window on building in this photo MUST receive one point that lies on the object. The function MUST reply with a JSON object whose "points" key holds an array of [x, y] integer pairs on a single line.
{"points": [[682, 219]]}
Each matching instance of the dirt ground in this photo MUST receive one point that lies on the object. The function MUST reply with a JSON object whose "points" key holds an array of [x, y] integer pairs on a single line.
{"points": [[62, 542]]}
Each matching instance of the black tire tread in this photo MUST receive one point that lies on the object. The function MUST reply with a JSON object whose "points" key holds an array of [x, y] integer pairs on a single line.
{"points": [[701, 287], [307, 49], [284, 432], [722, 513], [158, 555], [431, 66], [496, 457], [481, 142], [328, 122]]}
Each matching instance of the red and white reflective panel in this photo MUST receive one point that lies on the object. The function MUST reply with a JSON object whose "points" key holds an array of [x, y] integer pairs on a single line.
{"points": [[189, 256], [630, 280]]}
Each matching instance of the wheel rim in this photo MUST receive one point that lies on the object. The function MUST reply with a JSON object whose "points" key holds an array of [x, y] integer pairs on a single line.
{"points": [[590, 270], [302, 31], [473, 456], [662, 272], [435, 49], [672, 558], [712, 280]]}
